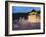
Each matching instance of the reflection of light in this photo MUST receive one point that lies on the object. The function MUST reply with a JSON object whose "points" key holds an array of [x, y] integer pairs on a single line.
{"points": [[16, 26]]}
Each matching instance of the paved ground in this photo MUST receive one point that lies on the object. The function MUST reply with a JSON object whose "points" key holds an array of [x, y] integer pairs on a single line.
{"points": [[25, 25]]}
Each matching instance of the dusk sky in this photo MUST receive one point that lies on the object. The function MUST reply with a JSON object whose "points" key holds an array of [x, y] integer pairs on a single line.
{"points": [[18, 9]]}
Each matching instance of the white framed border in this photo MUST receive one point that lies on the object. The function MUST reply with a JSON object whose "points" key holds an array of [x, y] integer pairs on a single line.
{"points": [[23, 31]]}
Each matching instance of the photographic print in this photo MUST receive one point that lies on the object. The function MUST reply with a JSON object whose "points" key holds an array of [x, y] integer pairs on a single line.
{"points": [[24, 18]]}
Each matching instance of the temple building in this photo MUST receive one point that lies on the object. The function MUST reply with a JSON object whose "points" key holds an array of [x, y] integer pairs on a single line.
{"points": [[32, 17]]}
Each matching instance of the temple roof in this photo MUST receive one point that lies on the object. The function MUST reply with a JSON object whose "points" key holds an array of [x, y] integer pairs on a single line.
{"points": [[33, 10]]}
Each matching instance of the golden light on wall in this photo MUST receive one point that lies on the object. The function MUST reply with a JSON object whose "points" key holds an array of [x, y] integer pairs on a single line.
{"points": [[32, 17]]}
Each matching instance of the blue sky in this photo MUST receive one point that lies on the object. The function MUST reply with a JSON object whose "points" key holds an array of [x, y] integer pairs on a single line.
{"points": [[20, 9]]}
